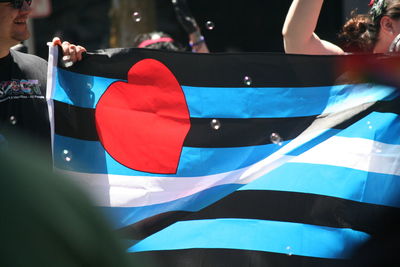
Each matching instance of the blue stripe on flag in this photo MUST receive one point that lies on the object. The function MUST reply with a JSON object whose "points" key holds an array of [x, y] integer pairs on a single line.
{"points": [[381, 127], [79, 89], [280, 102], [124, 216], [352, 95], [331, 181], [268, 236], [92, 158], [208, 102]]}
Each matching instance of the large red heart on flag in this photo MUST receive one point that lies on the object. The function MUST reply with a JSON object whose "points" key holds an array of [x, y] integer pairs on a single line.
{"points": [[142, 124]]}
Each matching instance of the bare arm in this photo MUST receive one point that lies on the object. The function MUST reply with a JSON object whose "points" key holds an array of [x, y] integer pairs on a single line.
{"points": [[298, 30], [188, 22]]}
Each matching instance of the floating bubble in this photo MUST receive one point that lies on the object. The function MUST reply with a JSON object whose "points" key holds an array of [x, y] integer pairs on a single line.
{"points": [[210, 25], [136, 17], [13, 120], [66, 155], [276, 139], [215, 124], [247, 80], [289, 251]]}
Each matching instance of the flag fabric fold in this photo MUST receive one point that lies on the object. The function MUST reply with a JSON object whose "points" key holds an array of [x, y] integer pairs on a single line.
{"points": [[253, 159]]}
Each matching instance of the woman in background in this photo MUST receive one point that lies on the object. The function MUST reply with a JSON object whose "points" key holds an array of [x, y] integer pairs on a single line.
{"points": [[376, 32]]}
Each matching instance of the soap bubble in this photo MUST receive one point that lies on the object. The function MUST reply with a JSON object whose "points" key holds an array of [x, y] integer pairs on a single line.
{"points": [[247, 80], [210, 25], [136, 17], [289, 251], [13, 120], [276, 139], [215, 124], [66, 155]]}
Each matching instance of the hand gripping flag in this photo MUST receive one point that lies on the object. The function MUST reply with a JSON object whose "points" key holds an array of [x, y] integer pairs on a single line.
{"points": [[232, 159]]}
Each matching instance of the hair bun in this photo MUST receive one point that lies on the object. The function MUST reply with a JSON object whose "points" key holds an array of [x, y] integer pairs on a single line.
{"points": [[355, 35]]}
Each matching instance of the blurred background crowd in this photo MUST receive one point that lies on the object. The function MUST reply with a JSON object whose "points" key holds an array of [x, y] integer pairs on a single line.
{"points": [[228, 26]]}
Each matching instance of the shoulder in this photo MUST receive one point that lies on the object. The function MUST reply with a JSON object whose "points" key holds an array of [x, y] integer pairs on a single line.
{"points": [[29, 64], [27, 59]]}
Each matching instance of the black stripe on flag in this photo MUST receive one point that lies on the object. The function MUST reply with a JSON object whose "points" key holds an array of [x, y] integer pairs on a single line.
{"points": [[79, 123], [75, 122], [233, 258], [233, 132], [205, 70], [277, 206], [230, 69]]}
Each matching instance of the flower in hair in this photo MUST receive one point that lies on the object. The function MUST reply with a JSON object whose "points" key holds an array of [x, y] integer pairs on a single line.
{"points": [[377, 8]]}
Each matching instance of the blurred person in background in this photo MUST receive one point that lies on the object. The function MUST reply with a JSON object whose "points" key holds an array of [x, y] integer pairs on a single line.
{"points": [[163, 41], [157, 40], [189, 24], [48, 221]]}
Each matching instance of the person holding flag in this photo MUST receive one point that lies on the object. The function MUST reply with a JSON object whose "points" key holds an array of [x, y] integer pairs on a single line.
{"points": [[23, 106], [376, 32]]}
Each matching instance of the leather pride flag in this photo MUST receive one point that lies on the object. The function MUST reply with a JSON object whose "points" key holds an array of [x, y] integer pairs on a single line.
{"points": [[252, 159]]}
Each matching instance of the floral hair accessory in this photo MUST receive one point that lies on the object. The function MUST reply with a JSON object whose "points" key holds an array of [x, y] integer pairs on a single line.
{"points": [[377, 9]]}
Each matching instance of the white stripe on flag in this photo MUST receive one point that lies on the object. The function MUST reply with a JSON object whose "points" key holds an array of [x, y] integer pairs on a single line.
{"points": [[355, 153], [136, 191]]}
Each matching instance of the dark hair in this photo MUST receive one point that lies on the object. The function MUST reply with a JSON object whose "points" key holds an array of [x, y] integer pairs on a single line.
{"points": [[162, 45], [357, 35], [360, 32]]}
